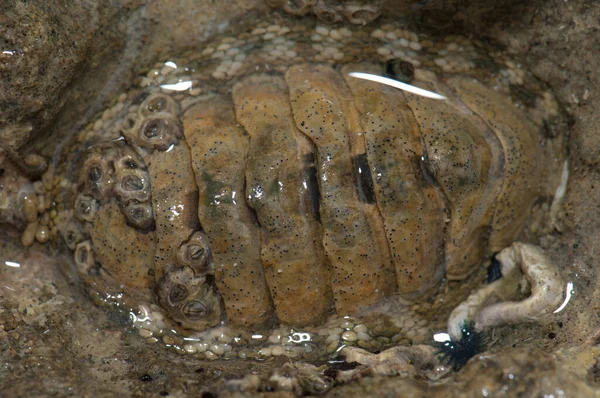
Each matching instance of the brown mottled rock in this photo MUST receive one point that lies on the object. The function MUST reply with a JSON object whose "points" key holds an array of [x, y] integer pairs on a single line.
{"points": [[44, 46], [60, 62]]}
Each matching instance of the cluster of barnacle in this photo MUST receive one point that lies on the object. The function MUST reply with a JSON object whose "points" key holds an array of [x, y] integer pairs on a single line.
{"points": [[359, 12], [114, 176], [109, 171]]}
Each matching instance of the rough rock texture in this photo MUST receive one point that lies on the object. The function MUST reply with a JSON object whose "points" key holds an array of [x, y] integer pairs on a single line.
{"points": [[55, 342], [71, 57], [44, 47], [516, 373]]}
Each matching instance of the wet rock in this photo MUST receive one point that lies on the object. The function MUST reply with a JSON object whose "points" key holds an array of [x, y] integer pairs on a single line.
{"points": [[43, 47], [61, 61], [523, 372]]}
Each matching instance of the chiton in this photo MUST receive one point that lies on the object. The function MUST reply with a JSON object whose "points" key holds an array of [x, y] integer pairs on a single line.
{"points": [[254, 182]]}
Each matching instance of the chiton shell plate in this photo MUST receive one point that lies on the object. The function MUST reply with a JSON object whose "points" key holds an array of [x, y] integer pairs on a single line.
{"points": [[277, 189]]}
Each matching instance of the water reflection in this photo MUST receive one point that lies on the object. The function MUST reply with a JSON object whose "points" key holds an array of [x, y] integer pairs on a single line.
{"points": [[569, 292], [396, 84]]}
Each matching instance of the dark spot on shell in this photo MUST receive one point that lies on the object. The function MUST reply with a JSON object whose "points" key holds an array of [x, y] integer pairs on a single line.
{"points": [[156, 105], [178, 293], [70, 237], [130, 164], [152, 130], [132, 183], [95, 173], [195, 310], [494, 271], [400, 70], [195, 252], [137, 213], [82, 255]]}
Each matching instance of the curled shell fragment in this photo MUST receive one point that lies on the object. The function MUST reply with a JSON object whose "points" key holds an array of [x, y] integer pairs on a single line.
{"points": [[518, 261]]}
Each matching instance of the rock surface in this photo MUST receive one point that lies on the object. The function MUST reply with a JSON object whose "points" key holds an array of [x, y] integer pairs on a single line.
{"points": [[61, 61]]}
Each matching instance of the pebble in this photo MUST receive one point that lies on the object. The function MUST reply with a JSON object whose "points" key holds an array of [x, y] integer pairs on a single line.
{"points": [[346, 32], [332, 337], [223, 47], [28, 235], [360, 328], [30, 207], [168, 339], [34, 161], [452, 47], [363, 336], [378, 34], [275, 338], [384, 51], [277, 351], [42, 235], [145, 333], [397, 337], [45, 219], [166, 70], [415, 46], [224, 338], [335, 34], [365, 344], [383, 340], [217, 349], [201, 347], [323, 31], [349, 336], [347, 325], [332, 347], [336, 331]]}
